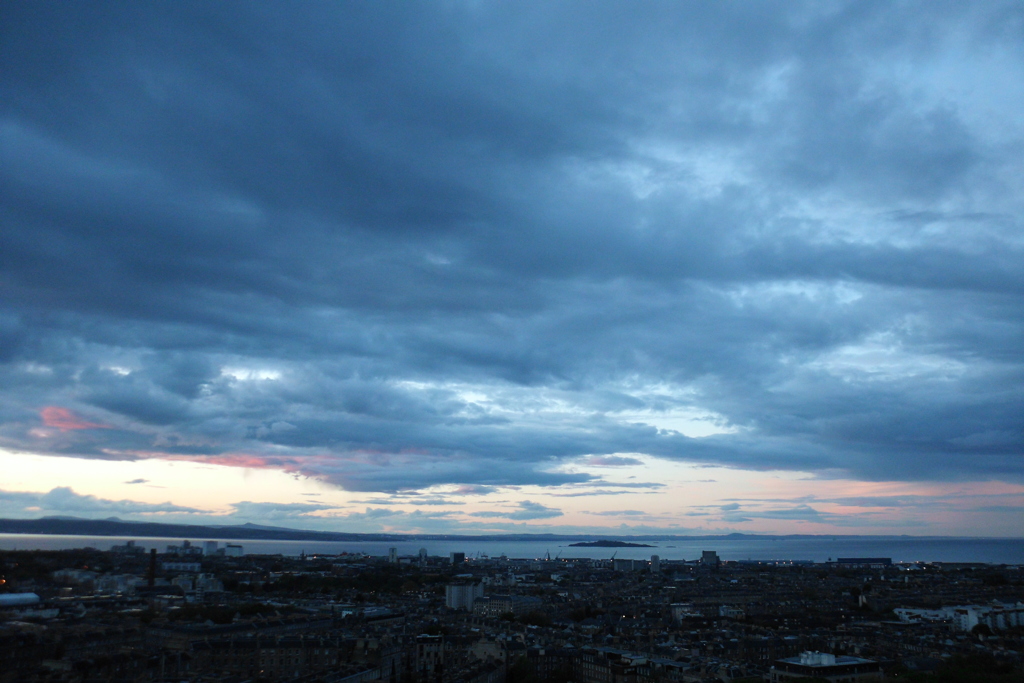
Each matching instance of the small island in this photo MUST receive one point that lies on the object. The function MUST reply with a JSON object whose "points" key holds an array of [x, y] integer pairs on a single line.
{"points": [[609, 544]]}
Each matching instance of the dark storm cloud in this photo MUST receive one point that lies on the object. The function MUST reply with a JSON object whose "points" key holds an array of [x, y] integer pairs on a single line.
{"points": [[397, 246]]}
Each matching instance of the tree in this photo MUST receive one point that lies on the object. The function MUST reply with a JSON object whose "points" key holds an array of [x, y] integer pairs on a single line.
{"points": [[979, 668], [522, 671], [536, 618], [981, 630]]}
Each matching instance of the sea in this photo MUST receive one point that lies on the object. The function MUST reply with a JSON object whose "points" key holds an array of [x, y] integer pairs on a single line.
{"points": [[814, 549]]}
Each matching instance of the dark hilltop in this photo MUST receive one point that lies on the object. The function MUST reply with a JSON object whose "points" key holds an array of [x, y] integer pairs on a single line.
{"points": [[609, 544]]}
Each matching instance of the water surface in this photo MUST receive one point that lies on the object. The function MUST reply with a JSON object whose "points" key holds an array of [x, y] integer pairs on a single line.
{"points": [[817, 549]]}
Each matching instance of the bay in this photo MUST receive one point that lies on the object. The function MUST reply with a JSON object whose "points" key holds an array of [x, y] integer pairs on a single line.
{"points": [[813, 548]]}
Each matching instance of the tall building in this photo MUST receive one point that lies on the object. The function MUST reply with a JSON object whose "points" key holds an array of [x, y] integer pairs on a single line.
{"points": [[393, 555], [457, 558], [429, 656], [710, 558], [462, 595], [655, 564], [209, 547]]}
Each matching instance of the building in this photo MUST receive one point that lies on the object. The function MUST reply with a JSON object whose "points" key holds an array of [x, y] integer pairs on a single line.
{"points": [[117, 583], [18, 599], [606, 665], [549, 663], [709, 558], [655, 564], [209, 547], [684, 610], [913, 615], [463, 595], [184, 583], [862, 562], [498, 605], [75, 577], [233, 550], [393, 555], [280, 657], [186, 548], [209, 583], [429, 656], [189, 567], [129, 548], [730, 612], [824, 666], [997, 616], [457, 558]]}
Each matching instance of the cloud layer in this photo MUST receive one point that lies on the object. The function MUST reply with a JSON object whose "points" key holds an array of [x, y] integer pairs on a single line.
{"points": [[62, 500], [397, 246]]}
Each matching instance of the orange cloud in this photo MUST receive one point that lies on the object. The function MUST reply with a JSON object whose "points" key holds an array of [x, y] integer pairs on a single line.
{"points": [[65, 420]]}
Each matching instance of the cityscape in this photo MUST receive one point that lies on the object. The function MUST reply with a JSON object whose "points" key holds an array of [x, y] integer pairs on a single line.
{"points": [[511, 341], [208, 612]]}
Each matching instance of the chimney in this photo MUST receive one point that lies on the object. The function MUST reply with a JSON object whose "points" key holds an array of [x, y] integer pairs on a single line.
{"points": [[152, 567]]}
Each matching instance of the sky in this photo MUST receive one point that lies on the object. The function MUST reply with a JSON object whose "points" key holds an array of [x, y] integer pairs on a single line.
{"points": [[483, 267]]}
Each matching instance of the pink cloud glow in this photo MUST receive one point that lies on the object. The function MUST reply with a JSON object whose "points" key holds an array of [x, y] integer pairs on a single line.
{"points": [[65, 420]]}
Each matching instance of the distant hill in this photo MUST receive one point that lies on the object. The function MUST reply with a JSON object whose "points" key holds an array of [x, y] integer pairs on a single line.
{"points": [[74, 526], [70, 526], [609, 544]]}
